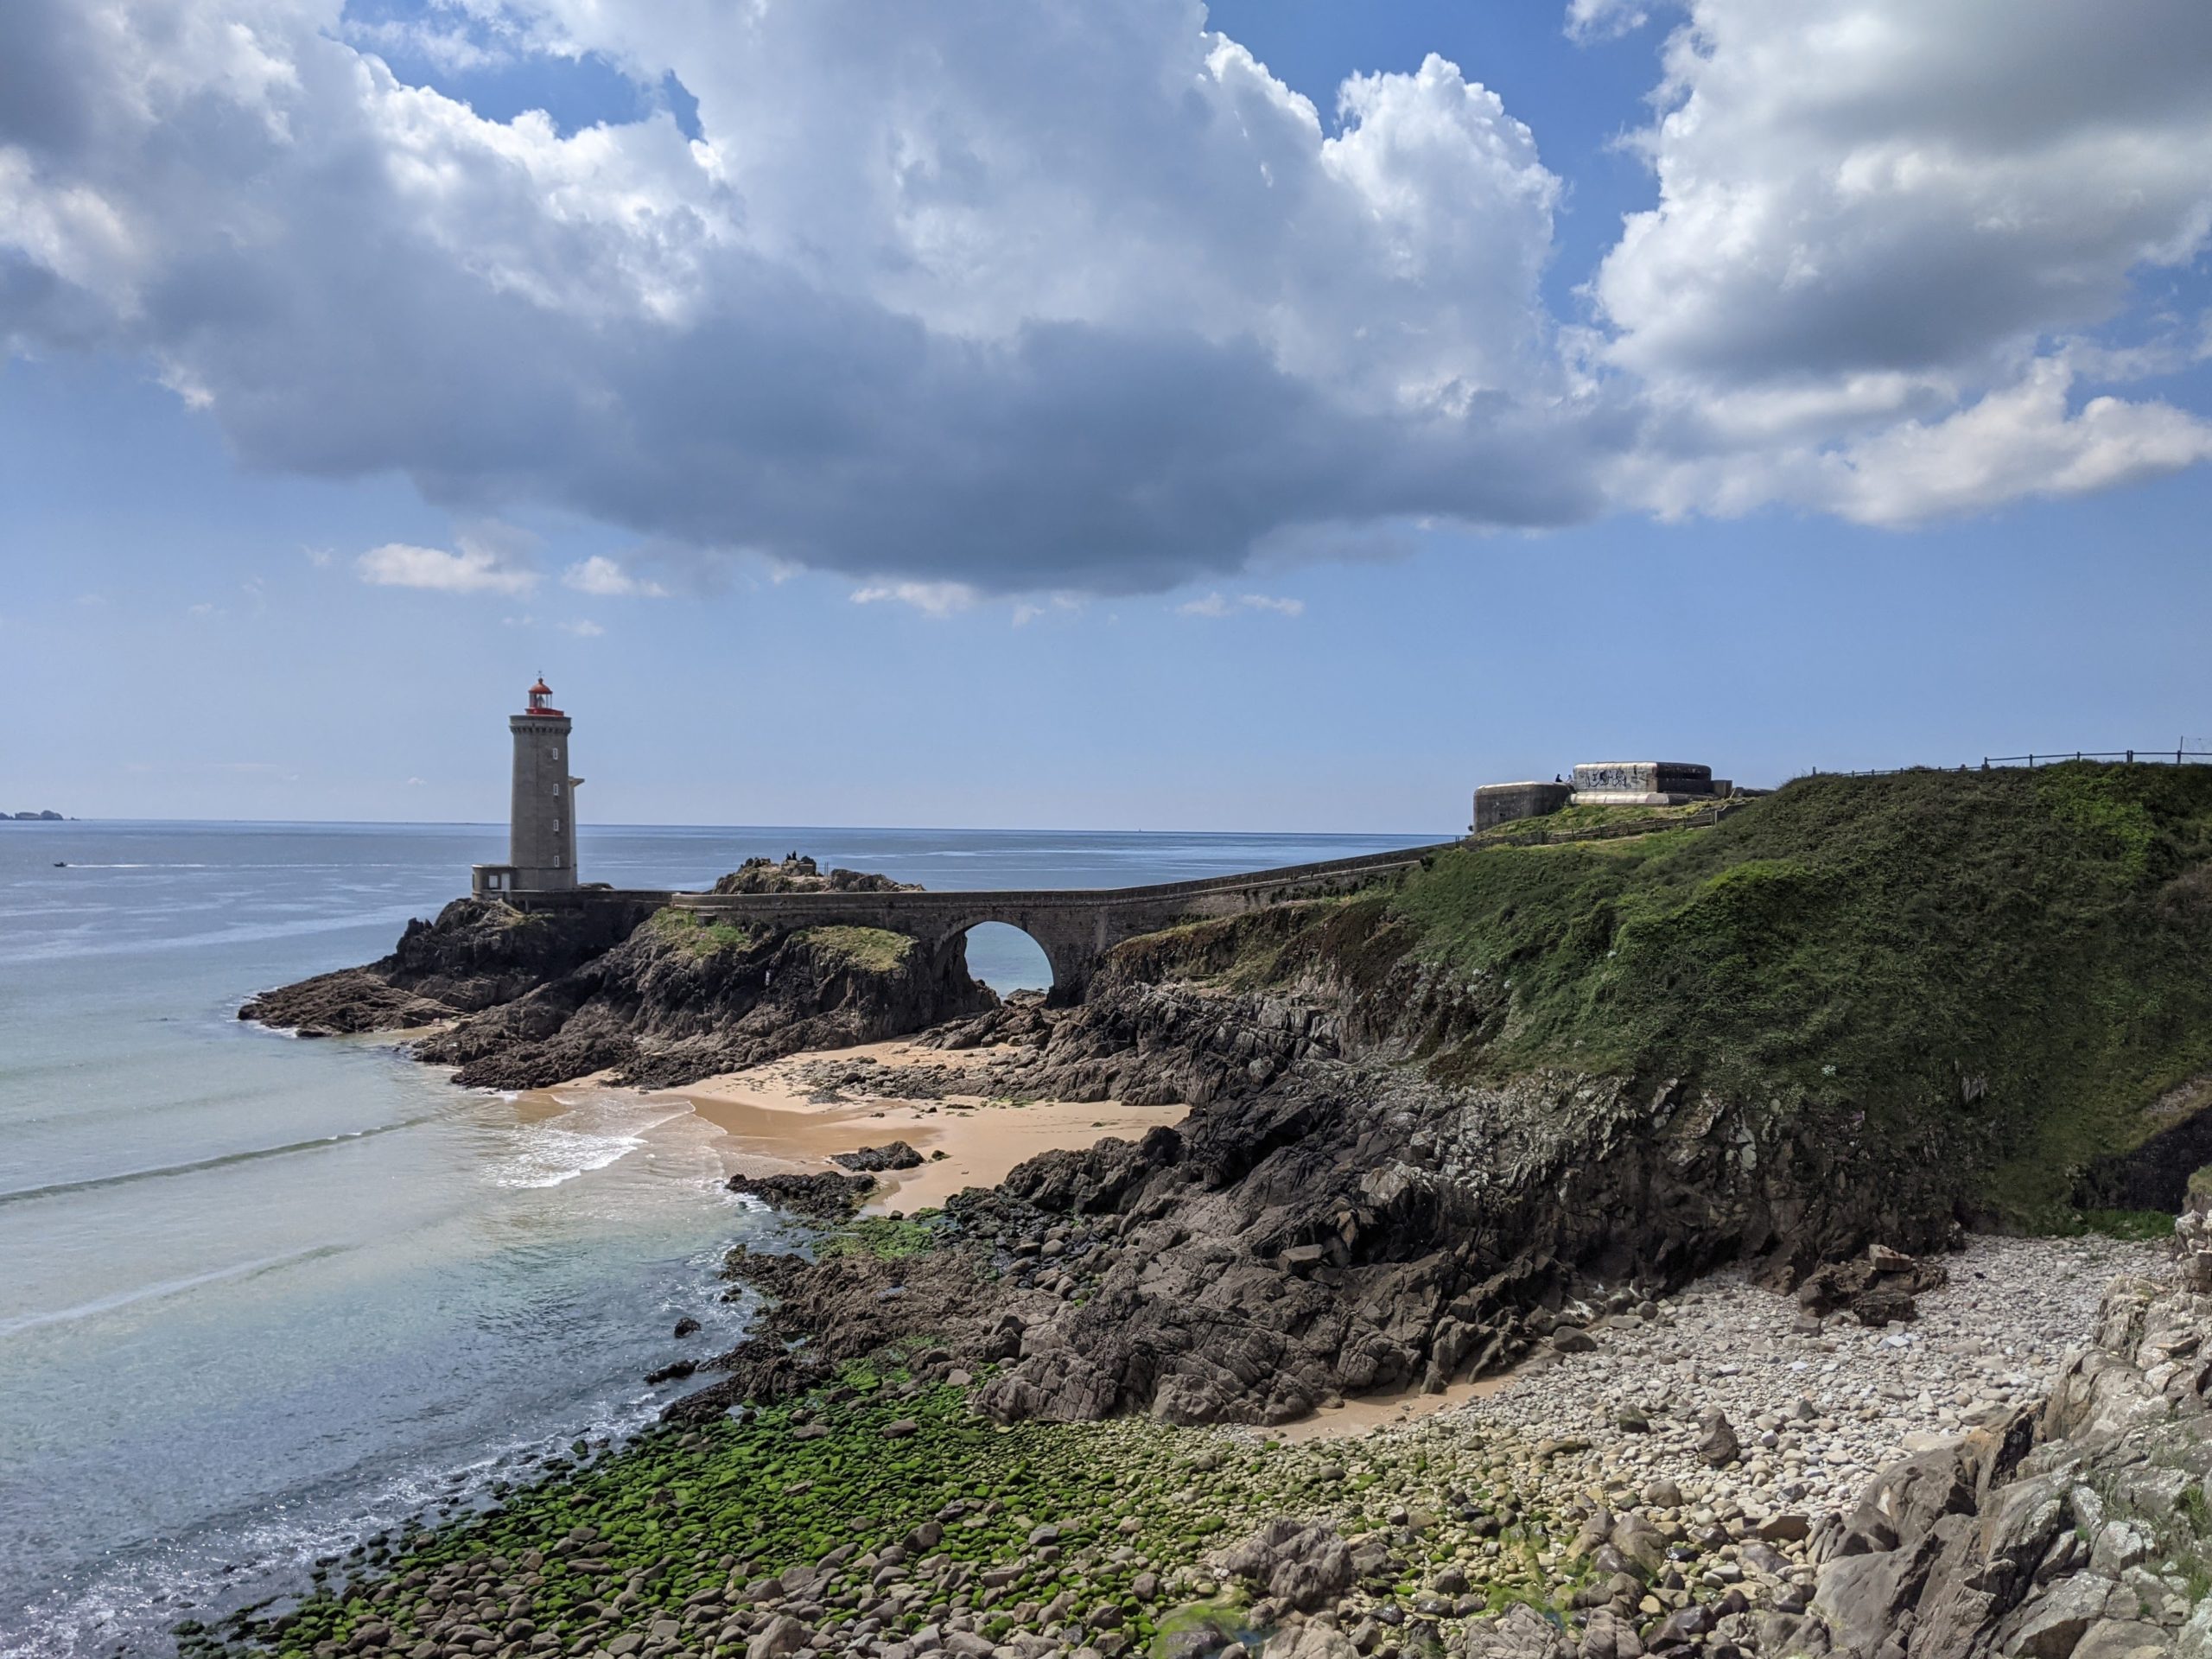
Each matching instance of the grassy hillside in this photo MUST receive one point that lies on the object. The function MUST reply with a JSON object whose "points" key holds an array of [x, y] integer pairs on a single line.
{"points": [[2023, 960]]}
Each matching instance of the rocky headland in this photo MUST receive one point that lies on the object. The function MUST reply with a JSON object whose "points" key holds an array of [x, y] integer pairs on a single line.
{"points": [[1698, 1137], [653, 997]]}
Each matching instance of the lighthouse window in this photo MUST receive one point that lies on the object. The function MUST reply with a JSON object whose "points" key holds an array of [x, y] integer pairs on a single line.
{"points": [[556, 826]]}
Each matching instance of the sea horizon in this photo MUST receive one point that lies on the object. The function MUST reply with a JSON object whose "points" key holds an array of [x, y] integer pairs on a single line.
{"points": [[585, 831]]}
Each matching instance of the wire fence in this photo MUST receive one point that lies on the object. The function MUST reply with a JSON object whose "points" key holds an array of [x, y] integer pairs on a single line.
{"points": [[2174, 757]]}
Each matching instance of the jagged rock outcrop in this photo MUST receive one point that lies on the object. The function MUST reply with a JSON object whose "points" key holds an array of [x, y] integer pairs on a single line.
{"points": [[799, 874], [655, 997], [1321, 1226], [817, 1194], [2079, 1529], [894, 1154], [1876, 1288], [1300, 1566], [477, 954], [1348, 1226], [677, 1001]]}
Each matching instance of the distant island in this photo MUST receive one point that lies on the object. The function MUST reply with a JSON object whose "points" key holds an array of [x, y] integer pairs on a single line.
{"points": [[32, 817]]}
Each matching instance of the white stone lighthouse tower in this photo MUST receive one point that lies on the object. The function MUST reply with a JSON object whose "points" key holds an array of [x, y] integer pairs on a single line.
{"points": [[542, 818]]}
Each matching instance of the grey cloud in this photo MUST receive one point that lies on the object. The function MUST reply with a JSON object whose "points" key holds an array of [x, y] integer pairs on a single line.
{"points": [[662, 371], [951, 303]]}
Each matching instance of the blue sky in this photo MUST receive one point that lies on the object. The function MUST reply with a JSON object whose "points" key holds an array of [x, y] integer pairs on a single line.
{"points": [[1077, 481]]}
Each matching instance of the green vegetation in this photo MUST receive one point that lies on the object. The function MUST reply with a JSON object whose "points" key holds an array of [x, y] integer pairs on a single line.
{"points": [[1572, 821], [871, 949], [2144, 1226], [701, 934], [2147, 1225], [868, 950], [2181, 1534], [2019, 961], [2196, 1510], [884, 1237], [685, 1526]]}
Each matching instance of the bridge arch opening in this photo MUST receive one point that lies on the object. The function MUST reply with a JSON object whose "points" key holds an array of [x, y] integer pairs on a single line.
{"points": [[1006, 959]]}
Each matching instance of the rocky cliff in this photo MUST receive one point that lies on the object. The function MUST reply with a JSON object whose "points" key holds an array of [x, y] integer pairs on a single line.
{"points": [[1862, 1013], [656, 997], [1323, 1225]]}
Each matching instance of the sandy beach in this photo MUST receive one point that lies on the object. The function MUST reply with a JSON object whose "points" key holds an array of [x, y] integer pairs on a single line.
{"points": [[774, 1122]]}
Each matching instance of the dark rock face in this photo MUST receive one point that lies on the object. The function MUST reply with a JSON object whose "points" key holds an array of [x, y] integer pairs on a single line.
{"points": [[1350, 1229], [477, 955], [674, 1002], [1321, 1225], [527, 1000], [896, 1155], [821, 1196]]}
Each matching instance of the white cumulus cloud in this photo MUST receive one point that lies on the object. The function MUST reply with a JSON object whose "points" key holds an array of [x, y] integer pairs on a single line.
{"points": [[1880, 224], [604, 578], [1219, 605], [473, 570], [930, 598], [1604, 20]]}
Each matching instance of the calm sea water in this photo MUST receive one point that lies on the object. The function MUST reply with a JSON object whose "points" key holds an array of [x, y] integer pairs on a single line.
{"points": [[262, 1296]]}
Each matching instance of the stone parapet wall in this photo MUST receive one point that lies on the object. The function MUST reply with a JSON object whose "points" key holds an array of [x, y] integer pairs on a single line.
{"points": [[1497, 804]]}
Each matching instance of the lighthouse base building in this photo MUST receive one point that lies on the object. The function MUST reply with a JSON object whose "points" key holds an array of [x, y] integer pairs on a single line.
{"points": [[541, 814]]}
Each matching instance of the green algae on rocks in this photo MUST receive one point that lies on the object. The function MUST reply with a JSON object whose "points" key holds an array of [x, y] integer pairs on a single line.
{"points": [[885, 1504]]}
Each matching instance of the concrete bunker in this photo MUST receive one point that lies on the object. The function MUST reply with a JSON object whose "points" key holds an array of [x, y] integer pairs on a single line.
{"points": [[1601, 783]]}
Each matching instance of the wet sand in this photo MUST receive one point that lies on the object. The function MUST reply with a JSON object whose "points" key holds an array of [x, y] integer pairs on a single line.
{"points": [[1367, 1413]]}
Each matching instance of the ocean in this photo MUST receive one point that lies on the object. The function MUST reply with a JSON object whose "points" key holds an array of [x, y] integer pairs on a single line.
{"points": [[262, 1297]]}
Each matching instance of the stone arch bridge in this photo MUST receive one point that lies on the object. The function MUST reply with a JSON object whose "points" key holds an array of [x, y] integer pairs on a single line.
{"points": [[1075, 926]]}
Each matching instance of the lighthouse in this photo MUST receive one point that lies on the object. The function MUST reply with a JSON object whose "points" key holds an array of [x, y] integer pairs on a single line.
{"points": [[541, 814]]}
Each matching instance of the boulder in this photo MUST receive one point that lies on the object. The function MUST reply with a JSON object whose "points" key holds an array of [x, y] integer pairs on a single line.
{"points": [[2051, 1624], [1877, 1287], [1716, 1442], [1303, 1567], [784, 1636], [896, 1154], [1519, 1632], [2114, 1638], [819, 1197]]}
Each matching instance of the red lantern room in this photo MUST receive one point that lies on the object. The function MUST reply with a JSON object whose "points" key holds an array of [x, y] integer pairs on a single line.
{"points": [[540, 701]]}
